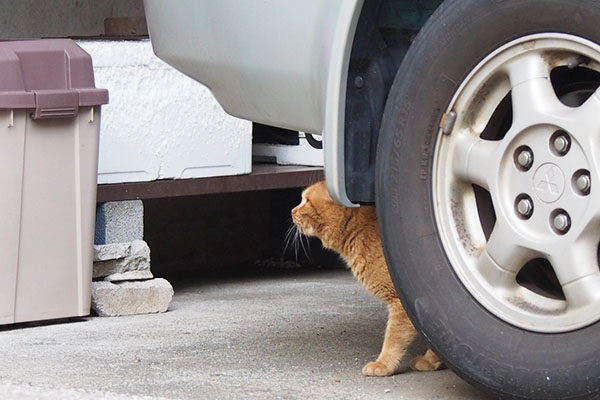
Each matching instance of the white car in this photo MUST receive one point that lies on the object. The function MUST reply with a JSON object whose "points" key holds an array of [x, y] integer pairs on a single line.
{"points": [[475, 127]]}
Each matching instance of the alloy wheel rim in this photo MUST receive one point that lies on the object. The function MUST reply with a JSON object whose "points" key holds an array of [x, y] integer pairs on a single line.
{"points": [[514, 178]]}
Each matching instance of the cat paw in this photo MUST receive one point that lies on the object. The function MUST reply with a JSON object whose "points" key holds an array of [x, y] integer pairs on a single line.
{"points": [[423, 364], [377, 368]]}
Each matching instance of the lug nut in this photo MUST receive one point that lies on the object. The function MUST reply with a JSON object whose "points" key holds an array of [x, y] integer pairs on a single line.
{"points": [[525, 158], [583, 183], [561, 222], [525, 207], [561, 144]]}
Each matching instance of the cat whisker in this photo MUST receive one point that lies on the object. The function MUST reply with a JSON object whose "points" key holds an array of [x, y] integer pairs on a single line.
{"points": [[296, 239], [289, 238], [305, 248]]}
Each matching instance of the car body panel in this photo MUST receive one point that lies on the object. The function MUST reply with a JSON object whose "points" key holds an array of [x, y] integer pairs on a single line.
{"points": [[280, 63]]}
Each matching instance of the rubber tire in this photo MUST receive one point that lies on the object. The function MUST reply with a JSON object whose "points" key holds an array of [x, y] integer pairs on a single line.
{"points": [[500, 358]]}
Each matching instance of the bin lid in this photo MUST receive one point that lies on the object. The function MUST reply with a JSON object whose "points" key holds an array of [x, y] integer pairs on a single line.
{"points": [[52, 76]]}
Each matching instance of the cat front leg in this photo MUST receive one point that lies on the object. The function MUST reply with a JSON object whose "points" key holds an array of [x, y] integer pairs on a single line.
{"points": [[399, 333]]}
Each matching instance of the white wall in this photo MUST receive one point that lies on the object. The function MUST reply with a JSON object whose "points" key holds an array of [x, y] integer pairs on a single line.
{"points": [[159, 123]]}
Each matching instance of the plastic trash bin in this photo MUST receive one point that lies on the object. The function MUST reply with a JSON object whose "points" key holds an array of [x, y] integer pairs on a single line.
{"points": [[49, 129]]}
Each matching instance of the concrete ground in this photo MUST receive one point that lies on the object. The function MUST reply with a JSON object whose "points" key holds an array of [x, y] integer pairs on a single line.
{"points": [[255, 334]]}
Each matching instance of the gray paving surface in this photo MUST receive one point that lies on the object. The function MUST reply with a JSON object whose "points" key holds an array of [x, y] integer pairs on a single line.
{"points": [[281, 334]]}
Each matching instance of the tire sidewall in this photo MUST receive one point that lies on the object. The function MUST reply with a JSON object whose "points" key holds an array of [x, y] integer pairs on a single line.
{"points": [[487, 351]]}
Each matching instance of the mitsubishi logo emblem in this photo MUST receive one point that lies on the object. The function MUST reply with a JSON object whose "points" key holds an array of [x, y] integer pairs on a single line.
{"points": [[549, 182]]}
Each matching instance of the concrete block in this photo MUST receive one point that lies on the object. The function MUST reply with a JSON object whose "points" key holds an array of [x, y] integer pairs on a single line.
{"points": [[128, 298], [111, 251], [119, 258], [119, 222]]}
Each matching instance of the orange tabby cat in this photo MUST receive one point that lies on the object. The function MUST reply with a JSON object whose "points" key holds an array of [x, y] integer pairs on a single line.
{"points": [[353, 233]]}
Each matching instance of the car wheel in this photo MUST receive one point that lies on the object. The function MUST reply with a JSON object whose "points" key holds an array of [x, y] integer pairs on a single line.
{"points": [[488, 164]]}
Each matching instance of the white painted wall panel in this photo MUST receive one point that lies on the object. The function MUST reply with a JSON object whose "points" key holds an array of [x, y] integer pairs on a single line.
{"points": [[160, 124]]}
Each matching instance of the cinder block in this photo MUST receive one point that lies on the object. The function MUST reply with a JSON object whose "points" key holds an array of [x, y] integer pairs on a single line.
{"points": [[127, 298], [116, 260], [119, 222], [111, 251]]}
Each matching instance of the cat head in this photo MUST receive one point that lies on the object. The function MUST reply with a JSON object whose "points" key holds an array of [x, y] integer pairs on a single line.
{"points": [[317, 214]]}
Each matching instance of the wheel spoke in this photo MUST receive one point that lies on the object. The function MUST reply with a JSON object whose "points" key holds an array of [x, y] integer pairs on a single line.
{"points": [[503, 248], [533, 97], [590, 226], [493, 274], [473, 160], [502, 259], [535, 102], [577, 271], [586, 117], [527, 67]]}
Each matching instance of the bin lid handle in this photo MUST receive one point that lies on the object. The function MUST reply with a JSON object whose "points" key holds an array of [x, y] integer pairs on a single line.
{"points": [[55, 104]]}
